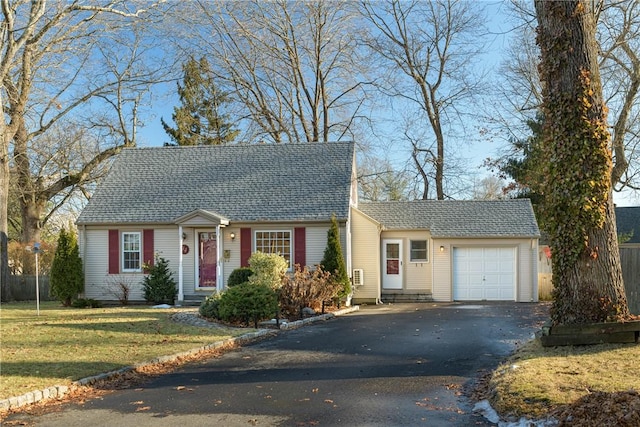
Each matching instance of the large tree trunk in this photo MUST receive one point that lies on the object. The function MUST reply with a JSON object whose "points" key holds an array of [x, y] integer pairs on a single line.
{"points": [[5, 291], [579, 212]]}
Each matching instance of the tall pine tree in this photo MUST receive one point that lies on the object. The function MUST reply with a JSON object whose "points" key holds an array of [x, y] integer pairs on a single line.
{"points": [[66, 279], [200, 119]]}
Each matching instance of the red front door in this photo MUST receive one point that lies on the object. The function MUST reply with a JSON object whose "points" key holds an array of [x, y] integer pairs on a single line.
{"points": [[207, 259]]}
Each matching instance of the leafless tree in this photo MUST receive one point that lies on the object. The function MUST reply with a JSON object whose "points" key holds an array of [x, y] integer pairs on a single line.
{"points": [[378, 180], [66, 65], [429, 49], [489, 188], [292, 69], [618, 35]]}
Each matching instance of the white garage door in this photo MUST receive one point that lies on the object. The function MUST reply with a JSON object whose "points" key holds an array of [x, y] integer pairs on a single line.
{"points": [[484, 274]]}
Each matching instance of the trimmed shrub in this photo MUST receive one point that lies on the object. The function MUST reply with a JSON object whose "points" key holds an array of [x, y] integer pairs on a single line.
{"points": [[66, 279], [239, 276], [248, 303], [210, 306], [268, 269], [159, 286], [333, 260]]}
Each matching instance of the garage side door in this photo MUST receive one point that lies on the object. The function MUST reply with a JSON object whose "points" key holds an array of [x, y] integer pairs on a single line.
{"points": [[484, 274]]}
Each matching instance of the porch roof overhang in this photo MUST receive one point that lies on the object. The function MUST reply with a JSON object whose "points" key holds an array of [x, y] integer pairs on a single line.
{"points": [[202, 217]]}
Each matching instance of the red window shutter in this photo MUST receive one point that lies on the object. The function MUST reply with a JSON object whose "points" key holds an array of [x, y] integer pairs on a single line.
{"points": [[147, 247], [300, 243], [114, 252], [245, 246]]}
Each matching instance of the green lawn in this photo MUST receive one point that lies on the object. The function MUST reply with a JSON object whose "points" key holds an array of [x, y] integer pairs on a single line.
{"points": [[66, 344]]}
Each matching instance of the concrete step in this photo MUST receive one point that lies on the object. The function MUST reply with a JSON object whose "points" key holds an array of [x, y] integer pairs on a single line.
{"points": [[193, 300], [388, 297]]}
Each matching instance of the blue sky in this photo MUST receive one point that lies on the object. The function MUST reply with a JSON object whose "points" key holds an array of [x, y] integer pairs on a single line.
{"points": [[475, 153]]}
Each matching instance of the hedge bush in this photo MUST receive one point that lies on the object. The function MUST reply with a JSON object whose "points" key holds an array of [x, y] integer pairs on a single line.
{"points": [[209, 307], [268, 269], [248, 302], [239, 276]]}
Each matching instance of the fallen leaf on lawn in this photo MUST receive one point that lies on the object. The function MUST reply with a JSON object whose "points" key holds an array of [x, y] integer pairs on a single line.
{"points": [[253, 421], [180, 387], [328, 401], [267, 397], [143, 408], [315, 390], [137, 402], [306, 399]]}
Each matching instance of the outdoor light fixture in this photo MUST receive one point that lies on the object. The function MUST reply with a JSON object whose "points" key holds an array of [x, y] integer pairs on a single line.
{"points": [[184, 236], [441, 248], [232, 235]]}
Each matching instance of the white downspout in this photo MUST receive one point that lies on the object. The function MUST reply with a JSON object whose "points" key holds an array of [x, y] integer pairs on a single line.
{"points": [[219, 266], [84, 258], [180, 268]]}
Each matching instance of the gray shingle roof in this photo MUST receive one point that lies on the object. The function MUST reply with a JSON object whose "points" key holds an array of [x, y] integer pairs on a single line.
{"points": [[264, 182], [457, 218], [628, 221]]}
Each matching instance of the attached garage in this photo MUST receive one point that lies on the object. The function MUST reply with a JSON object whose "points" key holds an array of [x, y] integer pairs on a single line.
{"points": [[476, 250], [484, 274]]}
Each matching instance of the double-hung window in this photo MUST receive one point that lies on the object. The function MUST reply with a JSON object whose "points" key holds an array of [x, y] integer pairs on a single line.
{"points": [[131, 251], [275, 242], [418, 251]]}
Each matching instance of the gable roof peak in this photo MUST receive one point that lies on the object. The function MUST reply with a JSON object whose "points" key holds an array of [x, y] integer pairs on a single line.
{"points": [[240, 182]]}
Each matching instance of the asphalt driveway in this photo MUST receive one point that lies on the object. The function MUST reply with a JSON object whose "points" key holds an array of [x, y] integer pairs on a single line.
{"points": [[390, 365]]}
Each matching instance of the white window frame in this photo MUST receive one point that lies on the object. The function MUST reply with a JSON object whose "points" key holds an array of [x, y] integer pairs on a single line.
{"points": [[411, 251], [125, 251], [286, 256]]}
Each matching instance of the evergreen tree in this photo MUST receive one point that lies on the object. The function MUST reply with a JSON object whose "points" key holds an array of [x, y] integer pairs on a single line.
{"points": [[159, 286], [200, 119], [66, 278], [333, 260], [524, 165]]}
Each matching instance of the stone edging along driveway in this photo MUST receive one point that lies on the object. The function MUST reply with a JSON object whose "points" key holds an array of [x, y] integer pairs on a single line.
{"points": [[58, 391]]}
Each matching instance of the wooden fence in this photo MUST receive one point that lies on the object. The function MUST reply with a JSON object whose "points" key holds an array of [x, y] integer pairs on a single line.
{"points": [[630, 262], [23, 288]]}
